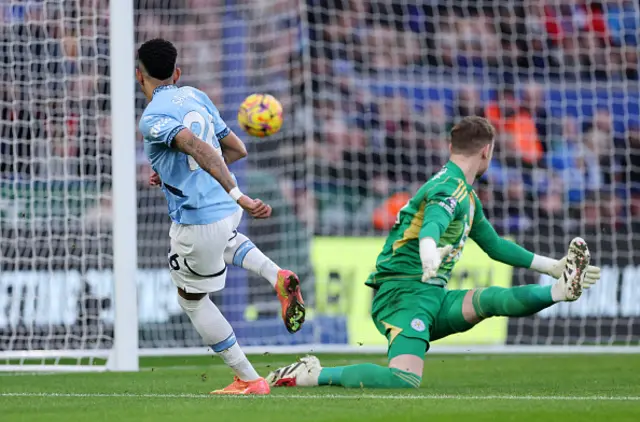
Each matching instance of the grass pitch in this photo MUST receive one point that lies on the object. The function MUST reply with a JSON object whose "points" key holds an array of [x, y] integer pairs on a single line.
{"points": [[455, 388]]}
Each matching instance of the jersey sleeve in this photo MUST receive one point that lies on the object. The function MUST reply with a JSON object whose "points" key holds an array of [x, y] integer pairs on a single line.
{"points": [[498, 249], [440, 209], [160, 128], [219, 125]]}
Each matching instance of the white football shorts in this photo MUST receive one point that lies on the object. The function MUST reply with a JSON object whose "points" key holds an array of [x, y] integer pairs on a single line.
{"points": [[196, 259]]}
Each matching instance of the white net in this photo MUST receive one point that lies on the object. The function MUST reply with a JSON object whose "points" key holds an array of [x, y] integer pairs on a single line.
{"points": [[230, 50], [55, 168], [370, 89], [558, 79]]}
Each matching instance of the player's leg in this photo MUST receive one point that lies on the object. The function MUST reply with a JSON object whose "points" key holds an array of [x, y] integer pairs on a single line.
{"points": [[196, 274], [462, 309], [216, 332], [530, 299], [404, 314], [241, 252], [406, 362]]}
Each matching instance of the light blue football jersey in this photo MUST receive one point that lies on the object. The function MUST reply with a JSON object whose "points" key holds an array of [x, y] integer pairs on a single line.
{"points": [[193, 195]]}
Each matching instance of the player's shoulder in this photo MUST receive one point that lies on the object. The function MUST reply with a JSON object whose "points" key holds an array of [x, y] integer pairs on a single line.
{"points": [[152, 113], [163, 103], [190, 91], [180, 98], [149, 118], [204, 98], [169, 103], [446, 183], [197, 99], [157, 119], [193, 91], [476, 198]]}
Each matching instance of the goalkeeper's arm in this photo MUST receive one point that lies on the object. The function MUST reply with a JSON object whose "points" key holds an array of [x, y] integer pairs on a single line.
{"points": [[510, 253], [502, 250], [437, 217]]}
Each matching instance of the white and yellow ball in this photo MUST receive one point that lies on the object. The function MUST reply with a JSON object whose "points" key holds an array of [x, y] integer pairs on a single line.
{"points": [[260, 115]]}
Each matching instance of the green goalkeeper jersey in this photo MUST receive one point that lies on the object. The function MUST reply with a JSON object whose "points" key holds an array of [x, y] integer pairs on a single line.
{"points": [[447, 210]]}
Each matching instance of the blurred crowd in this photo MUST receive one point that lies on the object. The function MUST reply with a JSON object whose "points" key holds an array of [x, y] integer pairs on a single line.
{"points": [[569, 38], [361, 134], [558, 79]]}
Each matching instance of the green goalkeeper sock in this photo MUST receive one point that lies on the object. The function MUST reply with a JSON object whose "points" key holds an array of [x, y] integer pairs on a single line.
{"points": [[368, 375], [515, 301]]}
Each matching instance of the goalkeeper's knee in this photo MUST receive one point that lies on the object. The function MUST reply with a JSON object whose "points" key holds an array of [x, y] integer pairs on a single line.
{"points": [[403, 379]]}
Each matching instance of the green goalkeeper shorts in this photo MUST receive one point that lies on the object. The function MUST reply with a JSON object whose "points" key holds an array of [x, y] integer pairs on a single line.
{"points": [[414, 310]]}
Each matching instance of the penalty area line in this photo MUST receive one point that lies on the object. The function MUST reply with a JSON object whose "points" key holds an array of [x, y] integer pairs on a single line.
{"points": [[327, 396]]}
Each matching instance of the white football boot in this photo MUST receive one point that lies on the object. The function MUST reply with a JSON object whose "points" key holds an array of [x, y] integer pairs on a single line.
{"points": [[572, 281], [303, 373]]}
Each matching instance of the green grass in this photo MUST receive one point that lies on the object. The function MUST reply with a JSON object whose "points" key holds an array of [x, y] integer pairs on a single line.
{"points": [[455, 388]]}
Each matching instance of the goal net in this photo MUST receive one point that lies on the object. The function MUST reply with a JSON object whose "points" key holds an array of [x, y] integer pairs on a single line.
{"points": [[370, 90]]}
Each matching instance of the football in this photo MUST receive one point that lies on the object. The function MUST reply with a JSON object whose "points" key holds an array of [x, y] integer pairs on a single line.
{"points": [[260, 115]]}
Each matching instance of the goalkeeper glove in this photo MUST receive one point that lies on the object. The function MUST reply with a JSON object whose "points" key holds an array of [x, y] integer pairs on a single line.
{"points": [[431, 257], [554, 268], [591, 274]]}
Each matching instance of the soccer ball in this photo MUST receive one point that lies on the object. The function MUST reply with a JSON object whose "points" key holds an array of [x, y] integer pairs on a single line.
{"points": [[260, 115]]}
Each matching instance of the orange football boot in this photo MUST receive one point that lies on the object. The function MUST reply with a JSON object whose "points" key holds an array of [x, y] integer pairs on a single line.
{"points": [[290, 296], [243, 388]]}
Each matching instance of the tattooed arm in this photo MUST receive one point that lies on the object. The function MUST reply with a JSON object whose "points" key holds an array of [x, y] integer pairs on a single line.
{"points": [[213, 163], [206, 156]]}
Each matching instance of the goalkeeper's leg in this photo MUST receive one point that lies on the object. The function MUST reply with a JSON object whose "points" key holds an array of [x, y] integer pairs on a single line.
{"points": [[406, 362], [462, 309], [528, 300], [241, 252], [404, 313]]}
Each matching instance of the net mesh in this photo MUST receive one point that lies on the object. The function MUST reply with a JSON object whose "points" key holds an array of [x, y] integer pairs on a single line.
{"points": [[55, 167], [370, 90]]}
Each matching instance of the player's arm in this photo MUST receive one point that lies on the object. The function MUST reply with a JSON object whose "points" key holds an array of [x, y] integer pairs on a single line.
{"points": [[154, 179], [439, 211], [510, 253], [498, 248], [213, 163], [233, 149], [206, 156]]}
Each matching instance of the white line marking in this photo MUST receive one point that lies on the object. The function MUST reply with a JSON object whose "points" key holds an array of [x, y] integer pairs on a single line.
{"points": [[330, 396], [25, 374]]}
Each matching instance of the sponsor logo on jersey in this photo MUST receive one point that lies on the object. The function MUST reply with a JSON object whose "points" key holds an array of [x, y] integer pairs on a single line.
{"points": [[418, 325], [449, 205], [159, 126]]}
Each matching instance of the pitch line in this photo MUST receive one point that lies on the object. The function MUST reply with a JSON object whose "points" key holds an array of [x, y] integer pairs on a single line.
{"points": [[328, 396]]}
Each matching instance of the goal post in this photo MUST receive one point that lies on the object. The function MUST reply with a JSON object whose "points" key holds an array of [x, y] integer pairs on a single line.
{"points": [[57, 325], [124, 354]]}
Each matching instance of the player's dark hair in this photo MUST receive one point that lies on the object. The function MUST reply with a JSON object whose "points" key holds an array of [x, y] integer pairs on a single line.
{"points": [[471, 134], [158, 57]]}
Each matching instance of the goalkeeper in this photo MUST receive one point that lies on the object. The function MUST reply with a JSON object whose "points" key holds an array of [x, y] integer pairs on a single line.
{"points": [[412, 306]]}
